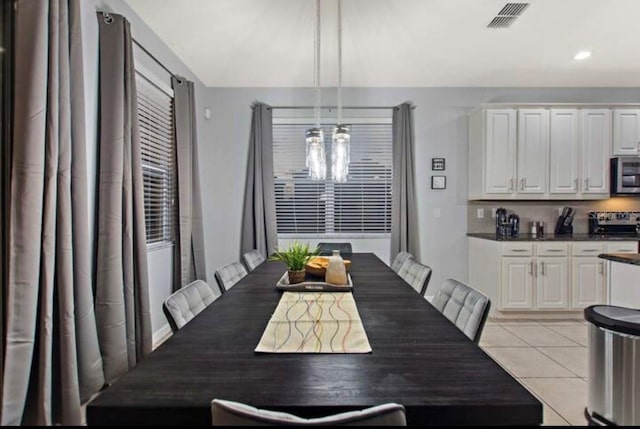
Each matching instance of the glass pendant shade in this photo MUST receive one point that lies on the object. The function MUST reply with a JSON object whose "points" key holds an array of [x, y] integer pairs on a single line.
{"points": [[340, 153], [316, 160]]}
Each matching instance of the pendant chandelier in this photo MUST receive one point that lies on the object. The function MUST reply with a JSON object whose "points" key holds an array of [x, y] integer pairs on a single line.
{"points": [[341, 138], [316, 160]]}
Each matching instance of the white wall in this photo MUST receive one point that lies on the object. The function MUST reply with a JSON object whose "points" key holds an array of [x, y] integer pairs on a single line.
{"points": [[160, 260], [440, 131]]}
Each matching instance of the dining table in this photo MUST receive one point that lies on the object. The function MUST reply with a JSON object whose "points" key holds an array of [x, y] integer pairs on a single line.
{"points": [[418, 359]]}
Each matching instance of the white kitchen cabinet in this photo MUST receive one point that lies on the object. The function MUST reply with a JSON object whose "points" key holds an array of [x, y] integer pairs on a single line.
{"points": [[500, 151], [626, 132], [517, 283], [624, 284], [595, 151], [532, 152], [535, 153], [564, 144], [552, 282], [588, 282]]}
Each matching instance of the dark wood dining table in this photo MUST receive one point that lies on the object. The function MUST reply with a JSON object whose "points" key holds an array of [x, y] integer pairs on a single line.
{"points": [[419, 359]]}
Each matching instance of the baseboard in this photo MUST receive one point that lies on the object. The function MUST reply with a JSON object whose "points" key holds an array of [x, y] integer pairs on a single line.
{"points": [[161, 335]]}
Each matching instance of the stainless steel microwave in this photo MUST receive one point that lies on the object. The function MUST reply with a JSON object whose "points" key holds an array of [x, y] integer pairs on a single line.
{"points": [[625, 175]]}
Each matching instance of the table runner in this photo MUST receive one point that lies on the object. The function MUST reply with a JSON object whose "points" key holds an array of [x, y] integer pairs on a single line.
{"points": [[315, 322]]}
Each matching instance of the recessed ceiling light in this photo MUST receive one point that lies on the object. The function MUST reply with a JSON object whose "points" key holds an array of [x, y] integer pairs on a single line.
{"points": [[582, 55]]}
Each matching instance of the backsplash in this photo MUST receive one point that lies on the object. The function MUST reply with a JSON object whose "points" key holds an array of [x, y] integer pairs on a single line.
{"points": [[545, 211]]}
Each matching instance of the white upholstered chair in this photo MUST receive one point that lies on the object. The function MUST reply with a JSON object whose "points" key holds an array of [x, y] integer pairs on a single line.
{"points": [[229, 413], [464, 306], [185, 304], [252, 259], [399, 260], [416, 274], [230, 274]]}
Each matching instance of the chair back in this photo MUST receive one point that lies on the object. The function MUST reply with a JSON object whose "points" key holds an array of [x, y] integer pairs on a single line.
{"points": [[464, 306], [229, 413], [230, 274], [416, 274], [328, 248], [252, 259], [185, 304], [399, 260]]}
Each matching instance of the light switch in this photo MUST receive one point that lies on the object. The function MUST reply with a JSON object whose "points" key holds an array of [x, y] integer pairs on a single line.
{"points": [[436, 213], [480, 213]]}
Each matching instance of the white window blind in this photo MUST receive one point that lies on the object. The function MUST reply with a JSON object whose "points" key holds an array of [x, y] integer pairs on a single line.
{"points": [[157, 135], [360, 206]]}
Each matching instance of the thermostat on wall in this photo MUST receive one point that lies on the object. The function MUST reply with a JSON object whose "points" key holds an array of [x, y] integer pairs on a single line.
{"points": [[437, 164]]}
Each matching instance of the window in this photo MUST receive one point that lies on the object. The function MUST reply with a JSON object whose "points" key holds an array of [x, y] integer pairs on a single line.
{"points": [[360, 206], [157, 135]]}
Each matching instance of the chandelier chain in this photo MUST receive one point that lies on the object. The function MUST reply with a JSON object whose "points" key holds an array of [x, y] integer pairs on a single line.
{"points": [[339, 62], [316, 76]]}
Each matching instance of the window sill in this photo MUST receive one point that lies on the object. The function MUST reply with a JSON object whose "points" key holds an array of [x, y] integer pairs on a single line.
{"points": [[341, 236]]}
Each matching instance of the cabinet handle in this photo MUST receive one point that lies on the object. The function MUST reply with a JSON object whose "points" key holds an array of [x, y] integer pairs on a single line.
{"points": [[586, 184], [519, 250], [542, 268], [604, 268], [511, 184], [554, 250], [523, 181], [600, 269], [590, 250], [531, 268], [575, 184]]}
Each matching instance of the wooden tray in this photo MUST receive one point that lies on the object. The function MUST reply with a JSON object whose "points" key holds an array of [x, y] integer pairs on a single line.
{"points": [[313, 284], [317, 266]]}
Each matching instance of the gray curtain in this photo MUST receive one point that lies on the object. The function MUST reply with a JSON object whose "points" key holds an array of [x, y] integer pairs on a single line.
{"points": [[190, 257], [259, 228], [404, 219], [122, 289], [52, 359]]}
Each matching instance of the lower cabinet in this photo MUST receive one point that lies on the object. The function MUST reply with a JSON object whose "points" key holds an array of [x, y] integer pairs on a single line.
{"points": [[588, 282], [542, 276], [552, 283], [517, 283]]}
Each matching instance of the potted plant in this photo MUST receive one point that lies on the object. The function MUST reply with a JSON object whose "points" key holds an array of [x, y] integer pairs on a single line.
{"points": [[296, 256]]}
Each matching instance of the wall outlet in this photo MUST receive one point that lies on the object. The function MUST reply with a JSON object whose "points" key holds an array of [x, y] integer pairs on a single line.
{"points": [[493, 212], [436, 213], [480, 214]]}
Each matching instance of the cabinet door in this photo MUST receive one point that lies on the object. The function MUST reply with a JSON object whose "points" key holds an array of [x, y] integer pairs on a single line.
{"points": [[595, 150], [563, 152], [626, 131], [517, 283], [588, 285], [552, 283], [500, 151], [532, 148]]}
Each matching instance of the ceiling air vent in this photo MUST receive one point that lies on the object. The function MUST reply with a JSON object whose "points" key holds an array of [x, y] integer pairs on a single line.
{"points": [[507, 15]]}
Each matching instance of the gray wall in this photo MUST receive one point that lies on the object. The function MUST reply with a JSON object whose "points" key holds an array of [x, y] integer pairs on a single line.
{"points": [[160, 260], [440, 131]]}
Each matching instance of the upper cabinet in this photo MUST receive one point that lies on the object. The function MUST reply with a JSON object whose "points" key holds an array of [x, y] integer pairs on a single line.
{"points": [[626, 132], [540, 153], [595, 151]]}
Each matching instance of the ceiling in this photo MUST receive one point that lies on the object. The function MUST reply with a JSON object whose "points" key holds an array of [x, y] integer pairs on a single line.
{"points": [[401, 43]]}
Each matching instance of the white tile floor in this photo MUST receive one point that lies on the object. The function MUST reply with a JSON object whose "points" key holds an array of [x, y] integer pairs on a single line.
{"points": [[549, 358]]}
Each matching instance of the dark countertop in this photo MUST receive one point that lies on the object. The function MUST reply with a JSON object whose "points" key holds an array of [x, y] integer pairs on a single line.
{"points": [[625, 258], [553, 237]]}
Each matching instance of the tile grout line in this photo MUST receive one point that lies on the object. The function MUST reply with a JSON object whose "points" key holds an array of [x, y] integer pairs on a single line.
{"points": [[559, 363]]}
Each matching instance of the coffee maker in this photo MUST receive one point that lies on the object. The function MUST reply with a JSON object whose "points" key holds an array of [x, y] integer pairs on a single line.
{"points": [[502, 224]]}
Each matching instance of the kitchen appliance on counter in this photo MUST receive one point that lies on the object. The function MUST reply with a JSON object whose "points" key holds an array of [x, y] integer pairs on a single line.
{"points": [[514, 224], [625, 175], [502, 224], [564, 226], [614, 222], [614, 355]]}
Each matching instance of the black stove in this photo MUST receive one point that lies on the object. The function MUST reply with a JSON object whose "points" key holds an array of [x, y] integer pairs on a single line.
{"points": [[610, 222]]}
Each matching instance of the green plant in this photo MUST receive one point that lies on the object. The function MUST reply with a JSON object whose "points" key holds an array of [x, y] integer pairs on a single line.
{"points": [[296, 255]]}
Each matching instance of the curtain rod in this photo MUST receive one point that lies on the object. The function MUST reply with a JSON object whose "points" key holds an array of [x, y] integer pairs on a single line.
{"points": [[335, 107], [154, 58]]}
